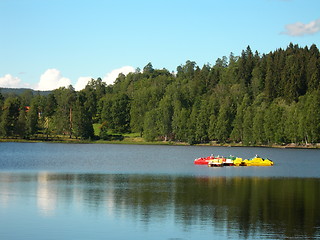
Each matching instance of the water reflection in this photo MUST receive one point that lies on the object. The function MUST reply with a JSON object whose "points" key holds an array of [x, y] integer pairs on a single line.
{"points": [[245, 207], [46, 195]]}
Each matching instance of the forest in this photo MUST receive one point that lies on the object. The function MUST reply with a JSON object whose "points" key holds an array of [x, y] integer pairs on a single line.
{"points": [[251, 99]]}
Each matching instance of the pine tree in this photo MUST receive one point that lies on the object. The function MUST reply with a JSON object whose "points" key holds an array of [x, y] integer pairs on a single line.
{"points": [[237, 132], [82, 118], [180, 121], [202, 124], [192, 123], [120, 112], [9, 117], [21, 123], [247, 126], [270, 85], [223, 124]]}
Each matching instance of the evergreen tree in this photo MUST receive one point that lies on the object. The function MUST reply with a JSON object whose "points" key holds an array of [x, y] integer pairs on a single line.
{"points": [[247, 126], [213, 106], [258, 78], [120, 112], [294, 78], [82, 118], [212, 127], [202, 124], [116, 113], [246, 65], [258, 133], [270, 85], [237, 131], [90, 97], [32, 119], [313, 73], [9, 117], [21, 123], [223, 125], [106, 116], [26, 97], [180, 121], [272, 98], [192, 123]]}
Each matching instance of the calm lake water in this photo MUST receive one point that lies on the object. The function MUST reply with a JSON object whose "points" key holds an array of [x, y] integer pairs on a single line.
{"points": [[97, 191]]}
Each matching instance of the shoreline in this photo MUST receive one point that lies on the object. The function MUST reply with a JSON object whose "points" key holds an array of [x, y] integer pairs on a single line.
{"points": [[135, 141]]}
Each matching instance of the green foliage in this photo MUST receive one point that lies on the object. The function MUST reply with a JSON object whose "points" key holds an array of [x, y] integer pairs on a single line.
{"points": [[9, 117], [150, 125], [82, 117], [258, 133], [65, 98], [21, 124], [247, 126], [32, 119], [103, 134], [251, 98], [311, 115], [116, 112], [223, 125], [202, 124], [165, 110], [180, 122], [237, 133], [106, 135]]}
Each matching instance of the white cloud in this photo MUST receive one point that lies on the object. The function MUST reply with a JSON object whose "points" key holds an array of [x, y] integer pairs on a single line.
{"points": [[52, 79], [82, 83], [112, 76], [109, 78], [300, 29], [9, 81]]}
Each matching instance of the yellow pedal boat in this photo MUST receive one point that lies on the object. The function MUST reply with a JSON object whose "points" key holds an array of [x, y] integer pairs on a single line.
{"points": [[256, 161]]}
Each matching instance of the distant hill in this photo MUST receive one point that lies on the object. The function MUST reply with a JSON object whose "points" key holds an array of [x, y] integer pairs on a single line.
{"points": [[19, 91]]}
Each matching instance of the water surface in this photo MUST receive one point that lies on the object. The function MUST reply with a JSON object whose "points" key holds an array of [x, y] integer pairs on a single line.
{"points": [[93, 191]]}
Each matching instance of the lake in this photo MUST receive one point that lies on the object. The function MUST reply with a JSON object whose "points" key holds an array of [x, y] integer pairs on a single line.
{"points": [[110, 191]]}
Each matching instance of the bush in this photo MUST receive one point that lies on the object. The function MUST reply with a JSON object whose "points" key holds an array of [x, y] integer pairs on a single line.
{"points": [[109, 137]]}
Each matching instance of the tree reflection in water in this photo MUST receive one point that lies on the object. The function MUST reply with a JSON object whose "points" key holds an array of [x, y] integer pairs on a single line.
{"points": [[248, 207]]}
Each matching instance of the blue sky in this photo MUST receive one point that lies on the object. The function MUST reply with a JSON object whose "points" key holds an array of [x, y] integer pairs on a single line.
{"points": [[45, 44]]}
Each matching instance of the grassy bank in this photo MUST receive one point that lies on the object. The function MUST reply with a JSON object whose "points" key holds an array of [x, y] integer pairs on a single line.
{"points": [[135, 138]]}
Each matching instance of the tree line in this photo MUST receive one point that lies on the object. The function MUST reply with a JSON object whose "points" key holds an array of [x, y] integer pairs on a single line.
{"points": [[252, 99]]}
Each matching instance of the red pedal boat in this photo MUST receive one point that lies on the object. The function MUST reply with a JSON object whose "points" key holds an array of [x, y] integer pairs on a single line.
{"points": [[203, 161]]}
